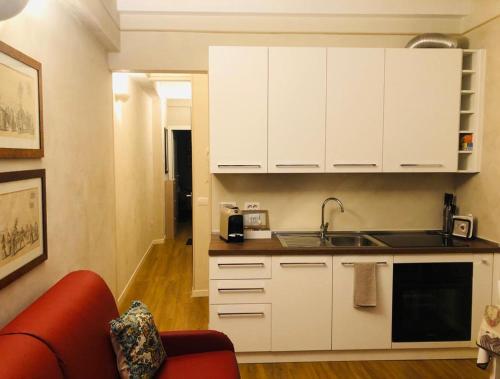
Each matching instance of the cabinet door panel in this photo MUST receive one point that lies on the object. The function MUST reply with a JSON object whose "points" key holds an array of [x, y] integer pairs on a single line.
{"points": [[297, 101], [238, 109], [361, 328], [355, 110], [422, 110], [302, 303]]}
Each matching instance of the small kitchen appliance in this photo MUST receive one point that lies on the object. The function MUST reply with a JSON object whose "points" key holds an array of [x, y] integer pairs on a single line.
{"points": [[448, 212], [463, 226], [231, 224]]}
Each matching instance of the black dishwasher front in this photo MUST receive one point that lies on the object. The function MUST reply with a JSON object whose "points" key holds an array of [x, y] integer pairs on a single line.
{"points": [[432, 302]]}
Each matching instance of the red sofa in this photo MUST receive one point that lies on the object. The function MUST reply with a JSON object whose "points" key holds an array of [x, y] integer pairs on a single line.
{"points": [[65, 335]]}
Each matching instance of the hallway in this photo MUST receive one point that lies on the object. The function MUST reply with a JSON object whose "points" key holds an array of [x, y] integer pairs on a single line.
{"points": [[163, 283]]}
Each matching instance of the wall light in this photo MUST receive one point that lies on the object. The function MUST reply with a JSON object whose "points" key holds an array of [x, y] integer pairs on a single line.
{"points": [[10, 8], [121, 86]]}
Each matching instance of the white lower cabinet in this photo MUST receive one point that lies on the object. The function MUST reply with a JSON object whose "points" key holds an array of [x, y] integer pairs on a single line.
{"points": [[367, 327], [247, 325], [302, 303]]}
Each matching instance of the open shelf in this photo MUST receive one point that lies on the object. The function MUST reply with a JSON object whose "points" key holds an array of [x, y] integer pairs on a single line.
{"points": [[470, 111]]}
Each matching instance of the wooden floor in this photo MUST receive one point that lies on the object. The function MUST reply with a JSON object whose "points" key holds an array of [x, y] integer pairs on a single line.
{"points": [[164, 284]]}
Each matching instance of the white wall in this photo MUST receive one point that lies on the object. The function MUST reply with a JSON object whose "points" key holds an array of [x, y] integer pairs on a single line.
{"points": [[138, 179], [78, 149]]}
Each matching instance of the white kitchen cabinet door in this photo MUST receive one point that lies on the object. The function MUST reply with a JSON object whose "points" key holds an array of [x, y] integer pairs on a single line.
{"points": [[354, 110], [297, 101], [302, 303], [361, 328], [422, 109], [238, 109], [481, 290]]}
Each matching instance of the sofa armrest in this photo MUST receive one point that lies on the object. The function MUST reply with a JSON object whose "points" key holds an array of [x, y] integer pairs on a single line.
{"points": [[195, 341]]}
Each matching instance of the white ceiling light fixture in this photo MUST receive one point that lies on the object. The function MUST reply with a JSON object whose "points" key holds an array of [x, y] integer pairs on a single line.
{"points": [[121, 86], [11, 8]]}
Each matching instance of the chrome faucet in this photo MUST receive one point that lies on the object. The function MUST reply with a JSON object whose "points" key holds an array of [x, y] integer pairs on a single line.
{"points": [[324, 226]]}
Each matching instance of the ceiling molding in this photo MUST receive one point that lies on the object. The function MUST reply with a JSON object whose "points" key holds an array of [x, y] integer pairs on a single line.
{"points": [[99, 18], [289, 24], [457, 8]]}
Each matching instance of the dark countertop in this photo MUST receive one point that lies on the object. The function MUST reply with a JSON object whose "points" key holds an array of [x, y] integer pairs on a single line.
{"points": [[273, 246]]}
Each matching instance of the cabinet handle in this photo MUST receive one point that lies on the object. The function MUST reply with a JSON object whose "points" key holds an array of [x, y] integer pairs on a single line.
{"points": [[352, 263], [239, 166], [297, 264], [231, 290], [240, 314], [355, 165], [305, 165], [239, 265], [421, 165]]}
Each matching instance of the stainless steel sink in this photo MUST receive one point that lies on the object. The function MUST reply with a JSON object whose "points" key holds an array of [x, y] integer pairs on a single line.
{"points": [[333, 240]]}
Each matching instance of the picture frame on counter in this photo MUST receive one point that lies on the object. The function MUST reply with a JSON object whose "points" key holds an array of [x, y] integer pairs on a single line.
{"points": [[21, 105], [23, 225]]}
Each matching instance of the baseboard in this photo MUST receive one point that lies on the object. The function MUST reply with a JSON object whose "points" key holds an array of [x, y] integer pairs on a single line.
{"points": [[356, 355], [132, 277], [159, 241], [199, 293]]}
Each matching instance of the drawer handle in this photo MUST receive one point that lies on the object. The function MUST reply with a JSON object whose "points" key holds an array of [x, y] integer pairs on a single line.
{"points": [[240, 314], [306, 165], [239, 166], [352, 263], [421, 165], [240, 265], [355, 165], [231, 290], [298, 264]]}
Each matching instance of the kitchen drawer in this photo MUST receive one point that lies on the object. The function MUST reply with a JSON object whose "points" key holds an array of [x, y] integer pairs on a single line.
{"points": [[247, 325], [240, 291], [252, 267]]}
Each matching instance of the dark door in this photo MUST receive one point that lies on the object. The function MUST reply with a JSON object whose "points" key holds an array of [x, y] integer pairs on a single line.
{"points": [[183, 174]]}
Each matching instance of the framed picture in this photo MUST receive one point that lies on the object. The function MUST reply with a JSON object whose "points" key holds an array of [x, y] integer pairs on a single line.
{"points": [[21, 110], [165, 143], [256, 219], [23, 225]]}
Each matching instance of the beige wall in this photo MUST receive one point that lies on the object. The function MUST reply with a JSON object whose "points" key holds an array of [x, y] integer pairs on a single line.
{"points": [[174, 51], [201, 183], [78, 149], [479, 194], [139, 216], [372, 201]]}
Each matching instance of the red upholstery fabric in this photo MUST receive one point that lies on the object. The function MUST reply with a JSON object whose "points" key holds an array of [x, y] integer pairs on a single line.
{"points": [[212, 365], [195, 341], [73, 317], [23, 357]]}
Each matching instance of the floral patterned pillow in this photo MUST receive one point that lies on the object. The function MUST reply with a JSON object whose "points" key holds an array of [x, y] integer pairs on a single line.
{"points": [[137, 344]]}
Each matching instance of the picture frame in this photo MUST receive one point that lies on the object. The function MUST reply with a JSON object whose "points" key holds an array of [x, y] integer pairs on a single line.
{"points": [[23, 225], [21, 105], [256, 219], [165, 144]]}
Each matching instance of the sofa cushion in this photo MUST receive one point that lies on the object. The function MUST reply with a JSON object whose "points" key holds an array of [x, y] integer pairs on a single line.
{"points": [[213, 365], [137, 344]]}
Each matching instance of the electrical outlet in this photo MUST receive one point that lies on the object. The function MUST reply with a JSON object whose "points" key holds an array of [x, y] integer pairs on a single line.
{"points": [[223, 204], [252, 205]]}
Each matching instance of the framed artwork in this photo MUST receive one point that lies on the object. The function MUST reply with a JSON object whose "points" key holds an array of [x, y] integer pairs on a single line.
{"points": [[165, 143], [21, 109], [256, 219], [23, 225]]}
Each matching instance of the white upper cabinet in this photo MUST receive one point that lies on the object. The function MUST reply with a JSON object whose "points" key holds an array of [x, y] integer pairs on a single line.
{"points": [[422, 109], [355, 110], [297, 102], [238, 109]]}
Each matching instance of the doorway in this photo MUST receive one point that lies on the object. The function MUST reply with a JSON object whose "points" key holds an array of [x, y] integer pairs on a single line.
{"points": [[183, 176]]}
